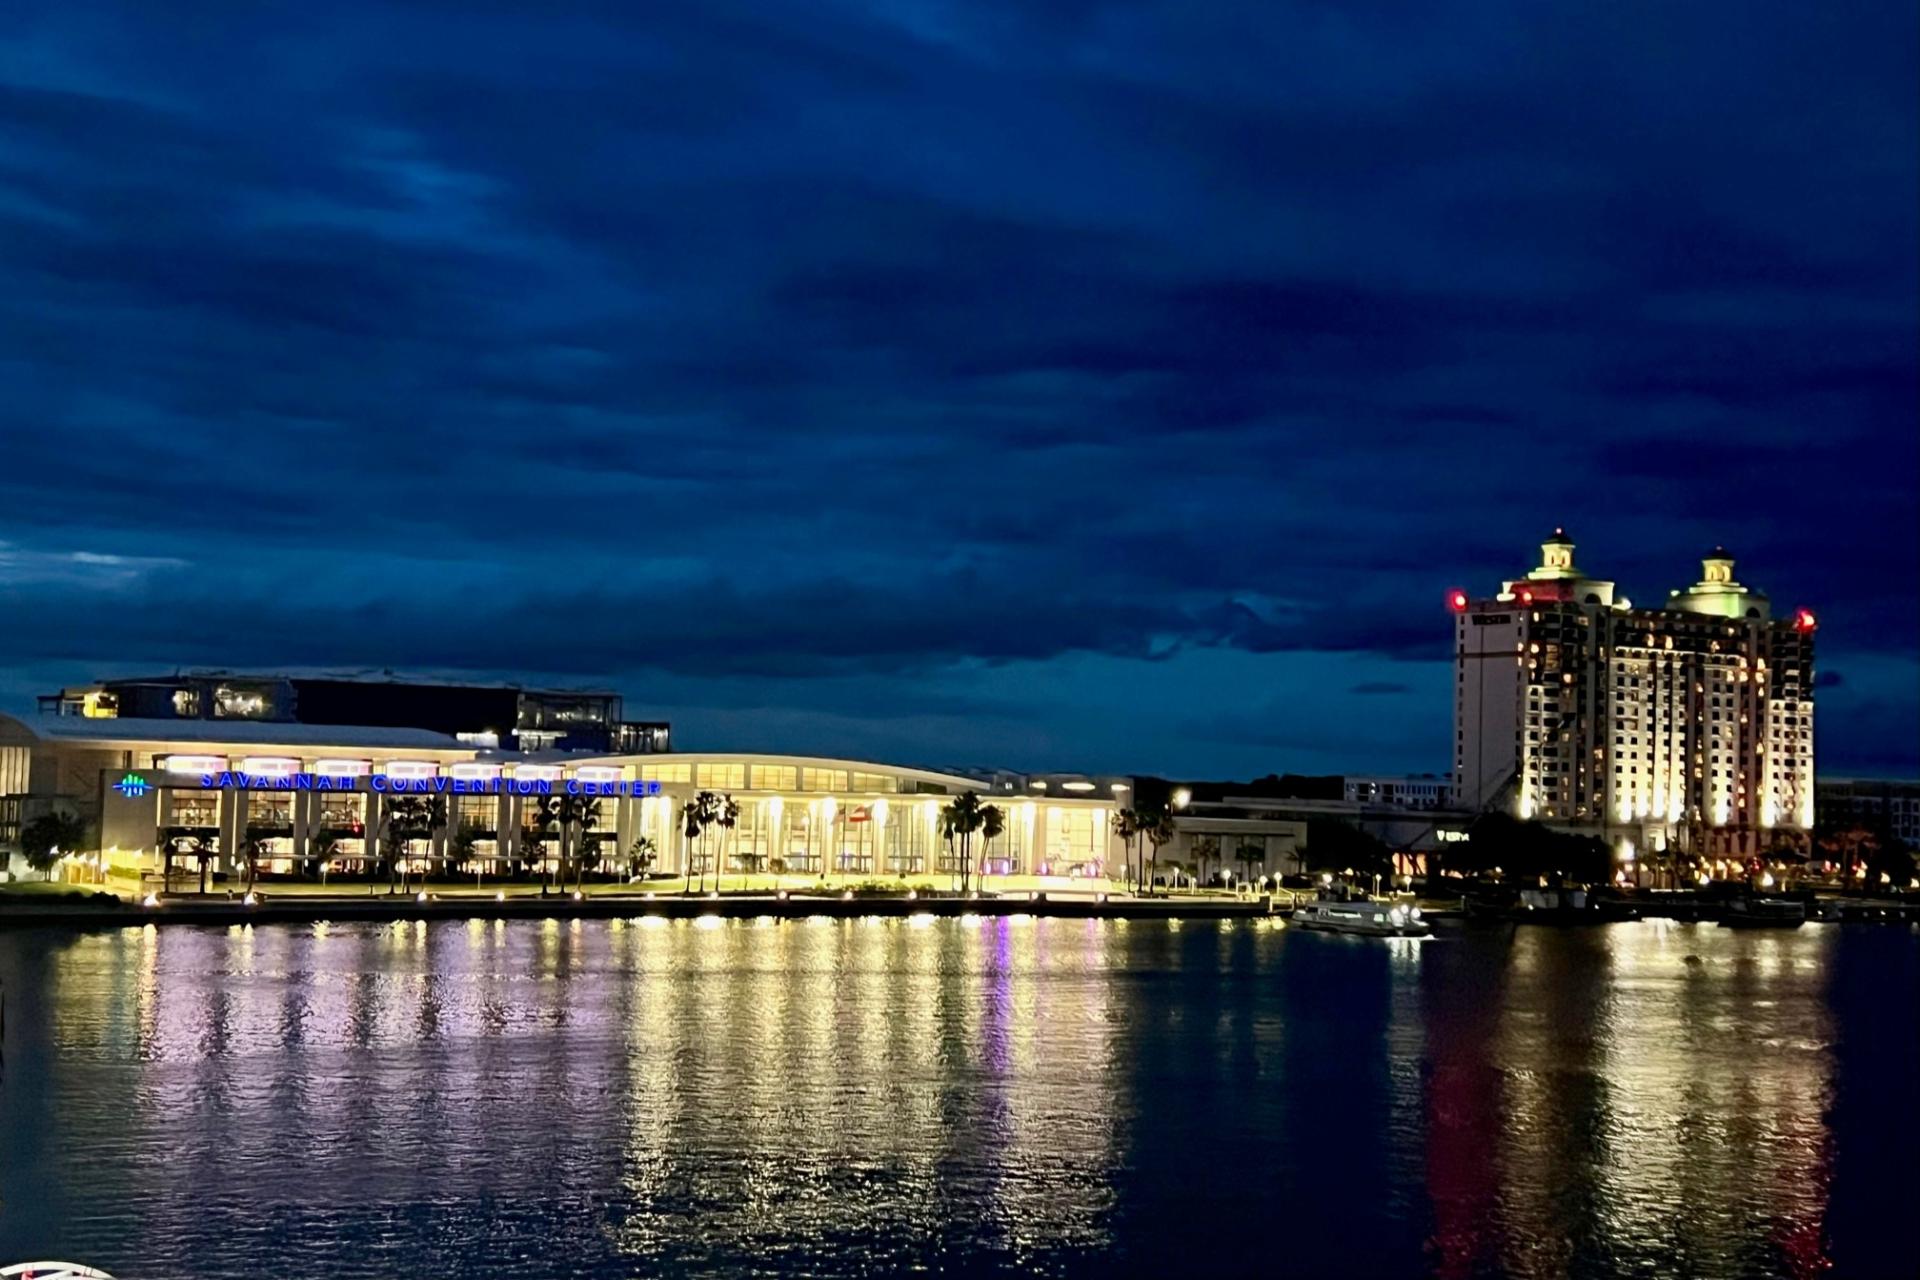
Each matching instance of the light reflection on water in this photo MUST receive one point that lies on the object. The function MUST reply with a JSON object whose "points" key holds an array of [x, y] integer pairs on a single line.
{"points": [[980, 1096]]}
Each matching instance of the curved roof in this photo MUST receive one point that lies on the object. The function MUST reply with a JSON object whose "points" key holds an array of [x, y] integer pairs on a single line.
{"points": [[1559, 539], [161, 735], [768, 758], [114, 731]]}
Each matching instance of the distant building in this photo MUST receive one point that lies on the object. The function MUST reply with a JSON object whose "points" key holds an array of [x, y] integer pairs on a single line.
{"points": [[1418, 791], [1870, 802], [1688, 726], [486, 715], [1275, 813]]}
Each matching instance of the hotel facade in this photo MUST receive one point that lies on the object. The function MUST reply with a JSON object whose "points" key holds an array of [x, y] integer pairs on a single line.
{"points": [[1687, 727]]}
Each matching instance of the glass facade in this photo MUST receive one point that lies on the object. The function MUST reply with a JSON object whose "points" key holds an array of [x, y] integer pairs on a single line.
{"points": [[795, 818]]}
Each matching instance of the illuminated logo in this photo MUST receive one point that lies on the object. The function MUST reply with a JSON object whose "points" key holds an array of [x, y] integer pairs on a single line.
{"points": [[133, 786]]}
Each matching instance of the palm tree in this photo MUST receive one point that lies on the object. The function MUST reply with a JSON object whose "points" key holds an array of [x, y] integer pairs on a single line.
{"points": [[252, 845], [202, 849], [1250, 855], [1205, 849], [1158, 828], [400, 819], [173, 845], [538, 829], [993, 823], [1127, 825], [461, 848], [726, 812], [573, 814], [321, 847], [961, 817], [641, 855], [695, 816], [434, 819], [184, 845], [587, 856]]}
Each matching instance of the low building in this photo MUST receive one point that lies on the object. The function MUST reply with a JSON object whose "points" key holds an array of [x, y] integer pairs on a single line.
{"points": [[1423, 792], [311, 800], [1870, 802]]}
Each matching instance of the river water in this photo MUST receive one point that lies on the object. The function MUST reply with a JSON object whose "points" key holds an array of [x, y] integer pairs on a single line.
{"points": [[971, 1097]]}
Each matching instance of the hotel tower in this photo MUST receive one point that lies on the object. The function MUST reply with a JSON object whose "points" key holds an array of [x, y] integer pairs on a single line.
{"points": [[1688, 726]]}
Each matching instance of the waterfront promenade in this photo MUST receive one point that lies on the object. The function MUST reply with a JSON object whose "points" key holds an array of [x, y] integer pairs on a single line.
{"points": [[523, 902], [75, 906]]}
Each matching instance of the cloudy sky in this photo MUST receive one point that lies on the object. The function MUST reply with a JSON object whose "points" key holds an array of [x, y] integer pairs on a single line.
{"points": [[1075, 385]]}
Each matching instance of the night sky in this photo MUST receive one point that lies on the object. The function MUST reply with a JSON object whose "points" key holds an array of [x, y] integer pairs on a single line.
{"points": [[1063, 385]]}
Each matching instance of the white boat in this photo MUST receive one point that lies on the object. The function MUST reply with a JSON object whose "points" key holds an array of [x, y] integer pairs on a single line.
{"points": [[1765, 913], [1361, 915]]}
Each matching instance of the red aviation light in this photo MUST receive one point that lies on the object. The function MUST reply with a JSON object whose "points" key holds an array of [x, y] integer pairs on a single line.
{"points": [[1457, 601], [1804, 621], [1526, 595]]}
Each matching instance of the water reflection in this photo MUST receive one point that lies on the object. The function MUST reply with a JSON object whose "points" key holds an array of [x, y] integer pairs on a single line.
{"points": [[1010, 1096]]}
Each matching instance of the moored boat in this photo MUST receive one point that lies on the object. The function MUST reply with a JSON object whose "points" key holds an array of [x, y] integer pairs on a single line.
{"points": [[1765, 913], [1359, 914]]}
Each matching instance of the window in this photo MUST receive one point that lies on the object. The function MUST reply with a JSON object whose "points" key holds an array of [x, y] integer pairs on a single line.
{"points": [[193, 809], [720, 777], [270, 809], [342, 812], [823, 780], [775, 777], [681, 772], [476, 813]]}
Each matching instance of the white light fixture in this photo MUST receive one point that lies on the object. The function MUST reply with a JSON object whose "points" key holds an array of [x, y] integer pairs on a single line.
{"points": [[270, 766], [193, 764], [597, 772], [536, 772], [474, 770], [1076, 786], [333, 767], [412, 769]]}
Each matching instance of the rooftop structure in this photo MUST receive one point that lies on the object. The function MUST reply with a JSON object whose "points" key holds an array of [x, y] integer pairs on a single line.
{"points": [[481, 713]]}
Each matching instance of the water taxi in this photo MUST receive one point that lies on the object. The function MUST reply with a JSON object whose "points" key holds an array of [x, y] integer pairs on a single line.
{"points": [[1765, 913], [1341, 913]]}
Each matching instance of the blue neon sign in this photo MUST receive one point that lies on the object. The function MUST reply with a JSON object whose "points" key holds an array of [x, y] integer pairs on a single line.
{"points": [[236, 780]]}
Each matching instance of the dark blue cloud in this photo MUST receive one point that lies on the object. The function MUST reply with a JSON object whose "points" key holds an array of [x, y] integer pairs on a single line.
{"points": [[740, 353]]}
